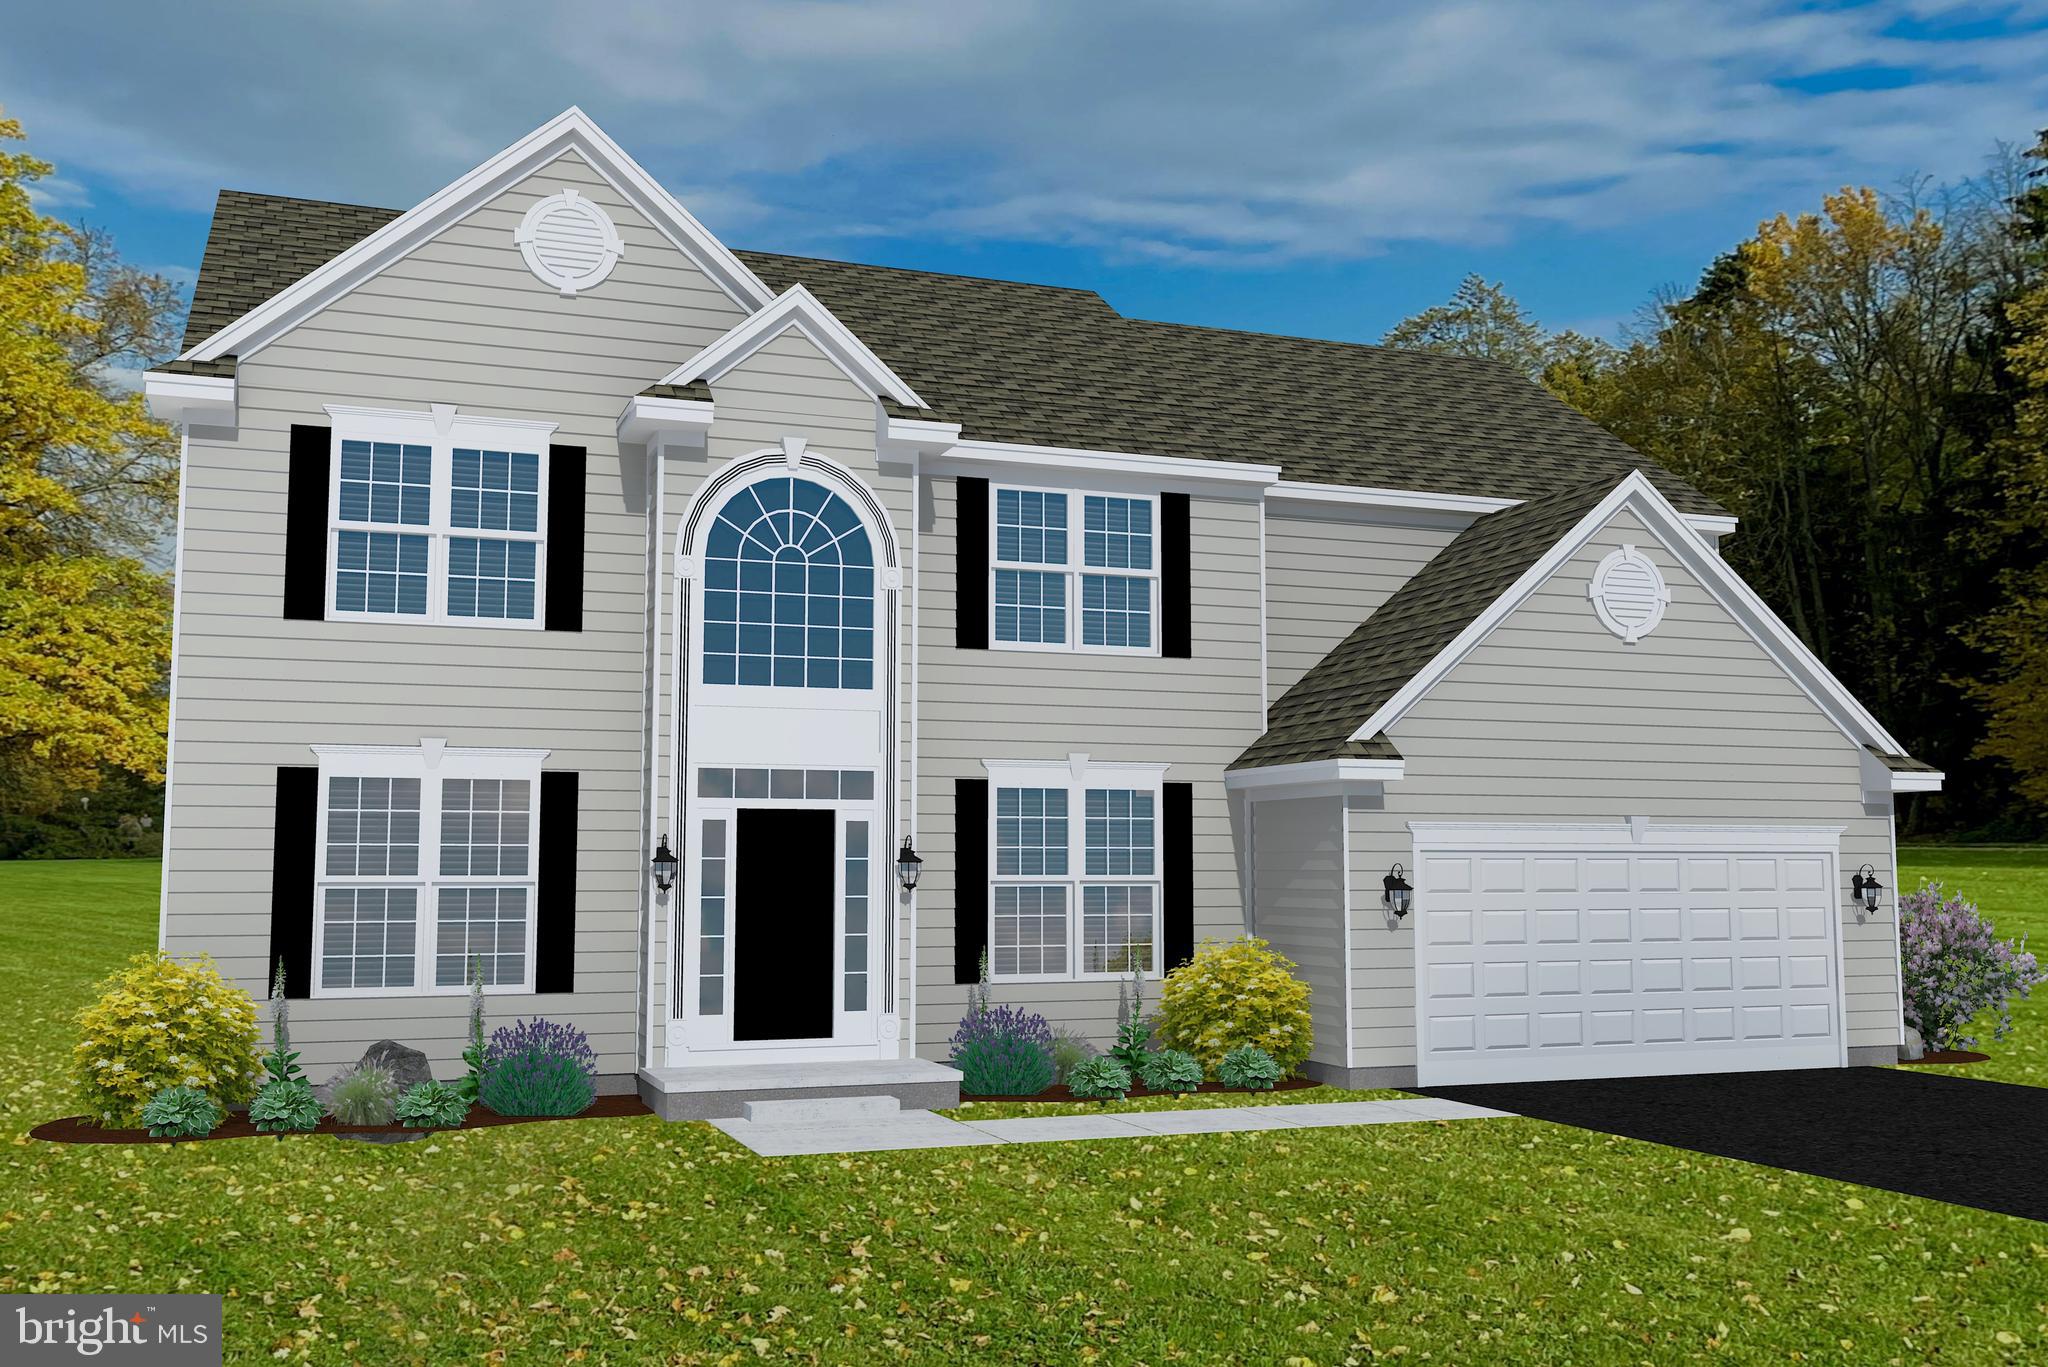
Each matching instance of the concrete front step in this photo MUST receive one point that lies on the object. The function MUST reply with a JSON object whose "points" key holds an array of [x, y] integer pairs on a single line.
{"points": [[724, 1091], [824, 1110]]}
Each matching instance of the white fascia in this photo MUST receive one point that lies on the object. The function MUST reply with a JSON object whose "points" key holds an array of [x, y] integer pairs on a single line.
{"points": [[1706, 566], [1306, 497], [975, 456], [796, 307], [190, 400], [1315, 778], [1880, 780], [673, 422], [571, 130]]}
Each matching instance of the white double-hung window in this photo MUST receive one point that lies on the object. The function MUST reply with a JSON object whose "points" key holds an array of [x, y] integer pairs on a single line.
{"points": [[1074, 887], [437, 516], [426, 869], [1074, 571]]}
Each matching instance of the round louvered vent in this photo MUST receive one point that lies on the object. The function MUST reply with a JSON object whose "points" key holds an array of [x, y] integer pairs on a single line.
{"points": [[1629, 594], [568, 242]]}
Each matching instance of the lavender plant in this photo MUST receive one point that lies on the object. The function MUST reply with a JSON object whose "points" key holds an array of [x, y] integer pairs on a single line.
{"points": [[539, 1068], [1954, 968], [1003, 1051]]}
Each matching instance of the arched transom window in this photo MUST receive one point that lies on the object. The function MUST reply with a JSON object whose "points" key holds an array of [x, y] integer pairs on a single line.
{"points": [[789, 590]]}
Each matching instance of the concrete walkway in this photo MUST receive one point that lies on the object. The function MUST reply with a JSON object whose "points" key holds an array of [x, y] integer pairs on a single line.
{"points": [[780, 1129]]}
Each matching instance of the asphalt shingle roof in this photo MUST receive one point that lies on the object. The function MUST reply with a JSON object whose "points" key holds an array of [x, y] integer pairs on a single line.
{"points": [[1314, 719], [1047, 366]]}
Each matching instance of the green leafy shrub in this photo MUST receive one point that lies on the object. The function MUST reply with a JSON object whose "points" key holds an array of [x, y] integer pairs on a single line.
{"points": [[1101, 1078], [539, 1068], [1070, 1048], [432, 1105], [1233, 994], [1003, 1051], [161, 1022], [1170, 1070], [181, 1113], [285, 1103], [367, 1095], [1249, 1068]]}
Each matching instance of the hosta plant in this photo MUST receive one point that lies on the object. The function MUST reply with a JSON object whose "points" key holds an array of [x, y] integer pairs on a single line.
{"points": [[181, 1113], [366, 1095], [1232, 994], [432, 1105], [1953, 968], [163, 1022], [1101, 1078], [1249, 1068], [1170, 1070], [539, 1068], [1003, 1051], [285, 1104]]}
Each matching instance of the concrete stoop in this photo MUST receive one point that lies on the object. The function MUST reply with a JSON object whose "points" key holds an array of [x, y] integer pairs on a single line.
{"points": [[779, 1129]]}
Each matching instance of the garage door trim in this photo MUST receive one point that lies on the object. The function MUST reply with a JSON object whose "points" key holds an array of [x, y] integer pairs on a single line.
{"points": [[1636, 836]]}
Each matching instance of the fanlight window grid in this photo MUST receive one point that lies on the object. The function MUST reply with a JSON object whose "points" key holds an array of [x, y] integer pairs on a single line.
{"points": [[1629, 594], [789, 590]]}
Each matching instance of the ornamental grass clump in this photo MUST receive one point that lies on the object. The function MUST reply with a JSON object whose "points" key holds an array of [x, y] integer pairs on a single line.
{"points": [[366, 1095], [539, 1068], [1232, 994], [432, 1105], [1003, 1051], [181, 1113], [1954, 968], [162, 1022]]}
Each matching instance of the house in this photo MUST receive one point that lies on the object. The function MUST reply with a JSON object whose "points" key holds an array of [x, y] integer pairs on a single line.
{"points": [[532, 533]]}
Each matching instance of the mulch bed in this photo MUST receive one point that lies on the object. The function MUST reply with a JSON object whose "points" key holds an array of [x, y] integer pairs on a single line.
{"points": [[1058, 1091], [1946, 1056], [77, 1129]]}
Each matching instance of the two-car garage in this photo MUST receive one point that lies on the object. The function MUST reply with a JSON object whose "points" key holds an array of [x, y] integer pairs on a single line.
{"points": [[1614, 950]]}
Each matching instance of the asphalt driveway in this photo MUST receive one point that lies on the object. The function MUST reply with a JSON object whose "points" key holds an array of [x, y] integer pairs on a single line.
{"points": [[1926, 1134]]}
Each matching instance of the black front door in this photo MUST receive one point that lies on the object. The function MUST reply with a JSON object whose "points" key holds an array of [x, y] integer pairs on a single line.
{"points": [[782, 970]]}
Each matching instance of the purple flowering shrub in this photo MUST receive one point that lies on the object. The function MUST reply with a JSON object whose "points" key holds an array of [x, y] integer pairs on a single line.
{"points": [[1003, 1051], [539, 1068], [1954, 968]]}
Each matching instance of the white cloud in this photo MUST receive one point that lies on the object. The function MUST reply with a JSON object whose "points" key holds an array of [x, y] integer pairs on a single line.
{"points": [[1197, 130]]}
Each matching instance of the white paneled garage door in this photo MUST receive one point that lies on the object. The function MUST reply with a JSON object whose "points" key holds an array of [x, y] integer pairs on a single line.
{"points": [[1550, 952]]}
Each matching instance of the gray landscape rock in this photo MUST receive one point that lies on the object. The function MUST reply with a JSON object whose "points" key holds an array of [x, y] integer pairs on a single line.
{"points": [[408, 1067], [1914, 1047]]}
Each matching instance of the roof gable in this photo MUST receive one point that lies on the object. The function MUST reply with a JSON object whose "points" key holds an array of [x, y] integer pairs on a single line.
{"points": [[797, 308], [1434, 621], [571, 131]]}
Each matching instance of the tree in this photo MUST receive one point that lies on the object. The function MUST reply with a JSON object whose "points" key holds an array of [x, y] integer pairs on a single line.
{"points": [[1481, 319], [87, 481]]}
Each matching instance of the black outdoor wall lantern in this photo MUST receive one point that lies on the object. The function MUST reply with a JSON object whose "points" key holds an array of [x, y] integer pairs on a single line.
{"points": [[664, 866], [1398, 896], [1866, 887], [907, 866]]}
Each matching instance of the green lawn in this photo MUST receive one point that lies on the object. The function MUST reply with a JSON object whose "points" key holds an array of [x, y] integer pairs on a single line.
{"points": [[632, 1240]]}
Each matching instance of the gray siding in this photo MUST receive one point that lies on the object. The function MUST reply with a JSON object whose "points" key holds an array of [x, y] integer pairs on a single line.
{"points": [[974, 705], [1298, 904], [1326, 573], [460, 321], [1554, 718]]}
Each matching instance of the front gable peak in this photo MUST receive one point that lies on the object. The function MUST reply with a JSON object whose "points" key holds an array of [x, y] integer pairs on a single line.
{"points": [[796, 307]]}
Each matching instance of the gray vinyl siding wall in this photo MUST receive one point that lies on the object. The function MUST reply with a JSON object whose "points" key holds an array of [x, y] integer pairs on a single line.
{"points": [[1553, 718], [788, 387], [1326, 572], [459, 321], [974, 705], [1298, 878]]}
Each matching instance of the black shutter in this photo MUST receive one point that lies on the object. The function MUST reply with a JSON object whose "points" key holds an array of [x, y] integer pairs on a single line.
{"points": [[1177, 862], [565, 538], [554, 912], [970, 569], [292, 866], [970, 875], [305, 523], [1176, 623]]}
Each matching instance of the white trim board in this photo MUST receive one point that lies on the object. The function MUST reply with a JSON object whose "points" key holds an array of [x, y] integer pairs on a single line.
{"points": [[571, 130], [1314, 778], [190, 400], [1699, 559], [796, 307]]}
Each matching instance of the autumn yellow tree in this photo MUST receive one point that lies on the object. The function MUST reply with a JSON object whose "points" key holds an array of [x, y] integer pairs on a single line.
{"points": [[87, 483]]}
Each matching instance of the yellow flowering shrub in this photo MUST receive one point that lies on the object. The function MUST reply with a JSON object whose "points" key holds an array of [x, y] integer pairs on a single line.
{"points": [[1235, 993], [160, 1023]]}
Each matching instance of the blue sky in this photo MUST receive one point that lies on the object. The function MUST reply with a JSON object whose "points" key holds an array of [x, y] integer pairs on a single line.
{"points": [[1323, 169]]}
